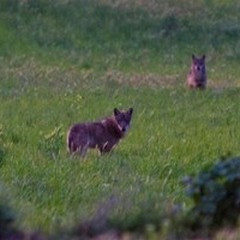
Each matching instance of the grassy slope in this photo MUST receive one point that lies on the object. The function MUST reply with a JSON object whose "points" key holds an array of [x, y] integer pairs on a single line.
{"points": [[61, 63]]}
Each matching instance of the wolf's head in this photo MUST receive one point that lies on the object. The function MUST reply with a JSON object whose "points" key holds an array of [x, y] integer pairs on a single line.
{"points": [[123, 118], [198, 64]]}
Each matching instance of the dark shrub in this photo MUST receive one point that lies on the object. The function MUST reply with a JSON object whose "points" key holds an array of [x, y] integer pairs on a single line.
{"points": [[215, 192]]}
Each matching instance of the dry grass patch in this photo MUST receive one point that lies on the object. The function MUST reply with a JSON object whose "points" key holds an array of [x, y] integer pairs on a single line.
{"points": [[165, 8], [143, 80]]}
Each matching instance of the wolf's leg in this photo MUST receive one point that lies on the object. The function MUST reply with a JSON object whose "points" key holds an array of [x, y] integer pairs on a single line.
{"points": [[201, 86], [107, 147], [83, 150]]}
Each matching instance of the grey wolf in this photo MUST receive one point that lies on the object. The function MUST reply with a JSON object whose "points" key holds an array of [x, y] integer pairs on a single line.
{"points": [[103, 135], [197, 77]]}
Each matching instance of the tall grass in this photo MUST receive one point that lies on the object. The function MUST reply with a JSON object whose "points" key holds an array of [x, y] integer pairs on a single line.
{"points": [[69, 61]]}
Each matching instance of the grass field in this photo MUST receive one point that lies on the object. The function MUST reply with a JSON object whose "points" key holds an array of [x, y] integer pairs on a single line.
{"points": [[68, 61]]}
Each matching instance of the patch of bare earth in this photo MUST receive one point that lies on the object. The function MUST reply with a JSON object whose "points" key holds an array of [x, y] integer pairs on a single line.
{"points": [[177, 8], [142, 80], [31, 73]]}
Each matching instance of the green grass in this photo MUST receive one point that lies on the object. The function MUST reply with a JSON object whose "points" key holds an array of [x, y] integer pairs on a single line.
{"points": [[64, 63]]}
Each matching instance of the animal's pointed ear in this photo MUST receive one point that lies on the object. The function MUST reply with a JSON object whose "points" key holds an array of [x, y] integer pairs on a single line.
{"points": [[130, 110], [203, 57], [193, 57], [116, 111]]}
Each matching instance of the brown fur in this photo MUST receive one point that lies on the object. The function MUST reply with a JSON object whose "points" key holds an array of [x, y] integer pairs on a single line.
{"points": [[197, 77], [103, 135]]}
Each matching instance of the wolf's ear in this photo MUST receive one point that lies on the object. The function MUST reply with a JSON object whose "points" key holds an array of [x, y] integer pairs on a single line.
{"points": [[193, 57], [116, 111], [203, 57], [130, 110]]}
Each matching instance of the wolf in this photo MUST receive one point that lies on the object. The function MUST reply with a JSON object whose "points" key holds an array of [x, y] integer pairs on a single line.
{"points": [[103, 135], [197, 77]]}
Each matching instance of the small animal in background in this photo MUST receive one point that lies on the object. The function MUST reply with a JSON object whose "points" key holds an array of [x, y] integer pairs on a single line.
{"points": [[103, 135], [197, 77]]}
